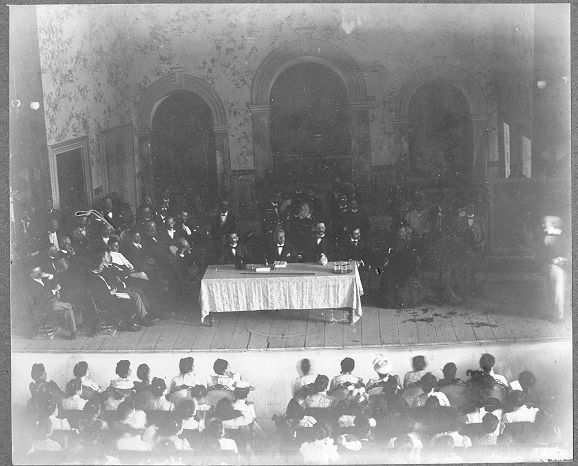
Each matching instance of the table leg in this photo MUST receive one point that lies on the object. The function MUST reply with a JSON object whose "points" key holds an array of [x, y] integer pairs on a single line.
{"points": [[211, 319], [351, 317]]}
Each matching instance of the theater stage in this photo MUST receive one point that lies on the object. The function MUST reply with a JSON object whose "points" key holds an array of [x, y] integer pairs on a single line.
{"points": [[511, 312]]}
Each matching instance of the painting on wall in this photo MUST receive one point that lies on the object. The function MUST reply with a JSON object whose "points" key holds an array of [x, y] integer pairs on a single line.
{"points": [[117, 144]]}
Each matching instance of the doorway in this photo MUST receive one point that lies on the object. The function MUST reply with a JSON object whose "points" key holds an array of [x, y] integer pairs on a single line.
{"points": [[71, 184], [183, 149]]}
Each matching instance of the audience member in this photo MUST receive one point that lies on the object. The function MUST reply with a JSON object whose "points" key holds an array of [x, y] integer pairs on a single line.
{"points": [[306, 377], [72, 395], [414, 377], [487, 362], [159, 402], [187, 377], [223, 378], [517, 410], [280, 251], [449, 371]]}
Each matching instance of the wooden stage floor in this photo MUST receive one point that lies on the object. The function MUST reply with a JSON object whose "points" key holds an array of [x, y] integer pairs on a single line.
{"points": [[273, 330]]}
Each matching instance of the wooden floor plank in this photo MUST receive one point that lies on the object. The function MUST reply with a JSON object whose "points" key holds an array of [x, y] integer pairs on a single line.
{"points": [[406, 323], [95, 343], [205, 335], [278, 332], [501, 327], [426, 330], [352, 334], [528, 328], [20, 344], [240, 337], [482, 327], [444, 326], [297, 328], [370, 334], [187, 336], [558, 330], [334, 334], [150, 337], [388, 327], [463, 327], [259, 329], [315, 337], [169, 336], [225, 328]]}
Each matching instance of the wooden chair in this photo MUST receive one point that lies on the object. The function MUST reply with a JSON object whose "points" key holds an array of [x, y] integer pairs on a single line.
{"points": [[105, 323], [43, 319]]}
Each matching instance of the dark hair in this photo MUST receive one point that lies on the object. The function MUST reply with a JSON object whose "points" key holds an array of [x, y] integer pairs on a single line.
{"points": [[92, 407], [305, 366], [490, 422], [37, 371], [220, 366], [170, 425], [224, 410], [43, 427], [46, 405], [418, 363], [80, 369], [186, 365], [320, 384], [404, 442], [158, 386], [186, 409], [445, 442], [515, 399], [322, 429], [295, 411], [199, 391], [113, 239], [449, 370], [432, 402], [143, 371], [347, 365], [214, 429], [95, 257], [123, 368], [125, 408], [487, 361], [241, 393], [72, 387], [428, 382], [362, 425], [527, 379]]}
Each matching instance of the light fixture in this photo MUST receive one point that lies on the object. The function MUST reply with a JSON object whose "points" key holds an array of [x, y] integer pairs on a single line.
{"points": [[34, 105], [541, 84]]}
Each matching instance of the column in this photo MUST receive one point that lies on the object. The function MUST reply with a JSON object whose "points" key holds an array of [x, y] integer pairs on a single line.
{"points": [[360, 147], [263, 159], [144, 178]]}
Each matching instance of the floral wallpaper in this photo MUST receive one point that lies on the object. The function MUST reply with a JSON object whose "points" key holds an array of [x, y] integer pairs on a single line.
{"points": [[97, 60]]}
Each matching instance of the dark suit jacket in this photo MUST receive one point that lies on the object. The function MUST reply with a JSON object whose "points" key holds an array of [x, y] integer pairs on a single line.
{"points": [[44, 242], [163, 237], [157, 250], [360, 252], [230, 226], [269, 218], [41, 295], [243, 255], [116, 220], [288, 254], [134, 255], [314, 250], [100, 292]]}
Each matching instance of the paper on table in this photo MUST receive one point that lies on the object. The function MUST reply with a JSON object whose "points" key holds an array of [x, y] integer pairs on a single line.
{"points": [[262, 269], [280, 264], [122, 295]]}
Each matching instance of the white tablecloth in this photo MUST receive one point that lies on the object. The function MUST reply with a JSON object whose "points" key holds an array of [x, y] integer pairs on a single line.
{"points": [[298, 286]]}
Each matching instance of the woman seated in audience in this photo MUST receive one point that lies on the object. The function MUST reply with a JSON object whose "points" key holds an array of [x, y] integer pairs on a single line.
{"points": [[305, 375], [187, 377], [449, 371], [526, 382], [72, 396], [159, 402], [223, 378], [428, 384], [119, 390], [316, 394], [198, 394], [517, 410], [413, 377], [41, 386], [385, 382], [90, 426], [450, 423], [214, 439], [490, 431], [48, 409], [131, 429], [123, 371], [294, 424], [489, 405], [345, 378], [43, 442], [445, 449], [90, 389], [142, 387], [186, 412], [169, 431], [487, 362], [322, 449]]}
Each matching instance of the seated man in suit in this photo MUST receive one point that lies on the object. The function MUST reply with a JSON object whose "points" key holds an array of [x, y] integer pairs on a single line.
{"points": [[45, 294], [51, 237], [319, 247], [182, 225], [300, 224], [356, 217], [355, 248], [162, 214], [168, 233], [144, 216], [271, 214], [152, 246], [235, 253], [112, 213], [225, 222], [279, 250], [108, 299], [133, 250]]}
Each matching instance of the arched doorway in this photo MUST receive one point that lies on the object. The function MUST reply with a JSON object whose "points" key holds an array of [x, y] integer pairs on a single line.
{"points": [[310, 124], [440, 144], [183, 146]]}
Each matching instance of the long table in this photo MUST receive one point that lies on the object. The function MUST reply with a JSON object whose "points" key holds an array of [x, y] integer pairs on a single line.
{"points": [[298, 286]]}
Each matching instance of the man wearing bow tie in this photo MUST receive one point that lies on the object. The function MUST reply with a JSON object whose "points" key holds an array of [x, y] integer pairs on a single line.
{"points": [[271, 214], [53, 236], [320, 248], [355, 248], [280, 250], [112, 214], [168, 234], [226, 221], [133, 250], [234, 252]]}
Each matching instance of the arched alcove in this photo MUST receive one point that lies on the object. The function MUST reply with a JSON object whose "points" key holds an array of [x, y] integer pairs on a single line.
{"points": [[309, 50], [476, 100], [153, 96]]}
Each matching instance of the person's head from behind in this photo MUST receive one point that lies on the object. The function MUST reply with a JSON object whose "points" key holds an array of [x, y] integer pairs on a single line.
{"points": [[444, 442], [186, 365], [143, 372], [44, 428], [242, 390], [158, 387], [295, 411], [92, 409], [418, 363], [108, 202], [38, 372], [305, 366], [362, 426], [487, 362], [123, 368], [527, 380], [322, 430], [114, 243], [215, 429], [74, 387], [124, 409], [403, 443], [432, 403], [490, 423], [199, 392], [320, 384], [428, 382], [515, 399], [46, 405], [80, 369], [347, 365], [186, 409], [450, 371], [170, 426]]}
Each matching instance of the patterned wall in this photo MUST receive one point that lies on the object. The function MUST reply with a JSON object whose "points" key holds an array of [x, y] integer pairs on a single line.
{"points": [[97, 60]]}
